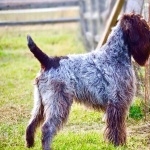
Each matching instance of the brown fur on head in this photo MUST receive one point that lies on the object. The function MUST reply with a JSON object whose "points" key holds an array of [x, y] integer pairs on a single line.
{"points": [[137, 34]]}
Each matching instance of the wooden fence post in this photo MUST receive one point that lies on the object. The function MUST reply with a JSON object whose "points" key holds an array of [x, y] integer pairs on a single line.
{"points": [[147, 68], [90, 14], [111, 21]]}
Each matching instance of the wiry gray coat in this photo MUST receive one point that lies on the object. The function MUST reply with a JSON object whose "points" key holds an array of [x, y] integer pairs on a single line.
{"points": [[102, 79]]}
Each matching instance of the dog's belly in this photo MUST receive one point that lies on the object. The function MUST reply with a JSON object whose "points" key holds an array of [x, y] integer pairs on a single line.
{"points": [[91, 98]]}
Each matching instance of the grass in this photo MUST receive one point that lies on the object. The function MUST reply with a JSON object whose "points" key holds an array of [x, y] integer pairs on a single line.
{"points": [[18, 67]]}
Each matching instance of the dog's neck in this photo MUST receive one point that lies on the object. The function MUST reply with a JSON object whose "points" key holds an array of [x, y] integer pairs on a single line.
{"points": [[116, 39]]}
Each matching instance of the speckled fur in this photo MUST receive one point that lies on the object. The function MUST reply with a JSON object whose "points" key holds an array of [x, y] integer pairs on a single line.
{"points": [[102, 79]]}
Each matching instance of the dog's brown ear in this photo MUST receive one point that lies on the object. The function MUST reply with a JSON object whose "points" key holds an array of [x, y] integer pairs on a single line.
{"points": [[129, 30], [137, 33]]}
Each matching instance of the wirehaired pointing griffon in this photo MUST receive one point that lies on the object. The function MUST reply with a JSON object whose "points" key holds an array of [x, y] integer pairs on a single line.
{"points": [[102, 79]]}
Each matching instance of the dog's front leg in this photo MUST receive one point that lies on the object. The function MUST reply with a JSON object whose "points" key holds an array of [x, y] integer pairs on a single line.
{"points": [[115, 131]]}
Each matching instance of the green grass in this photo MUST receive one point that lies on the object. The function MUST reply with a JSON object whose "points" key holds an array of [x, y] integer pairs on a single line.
{"points": [[18, 67]]}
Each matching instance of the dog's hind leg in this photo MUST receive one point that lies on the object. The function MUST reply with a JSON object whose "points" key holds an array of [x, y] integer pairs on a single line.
{"points": [[115, 131], [56, 113], [36, 119]]}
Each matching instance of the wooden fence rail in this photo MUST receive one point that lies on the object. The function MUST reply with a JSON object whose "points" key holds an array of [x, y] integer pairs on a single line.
{"points": [[34, 22], [27, 4]]}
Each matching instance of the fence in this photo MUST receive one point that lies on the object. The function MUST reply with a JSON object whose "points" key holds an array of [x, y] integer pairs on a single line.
{"points": [[20, 7], [94, 14], [28, 4]]}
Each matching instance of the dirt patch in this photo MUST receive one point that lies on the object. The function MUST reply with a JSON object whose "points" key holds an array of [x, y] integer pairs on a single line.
{"points": [[141, 131]]}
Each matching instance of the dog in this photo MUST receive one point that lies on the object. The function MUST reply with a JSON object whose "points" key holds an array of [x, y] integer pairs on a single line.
{"points": [[102, 79]]}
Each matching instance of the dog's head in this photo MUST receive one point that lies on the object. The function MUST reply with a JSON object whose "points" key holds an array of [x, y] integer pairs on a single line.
{"points": [[137, 34]]}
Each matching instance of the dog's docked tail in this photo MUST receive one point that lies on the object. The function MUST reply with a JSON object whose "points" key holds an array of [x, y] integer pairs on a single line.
{"points": [[41, 56]]}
